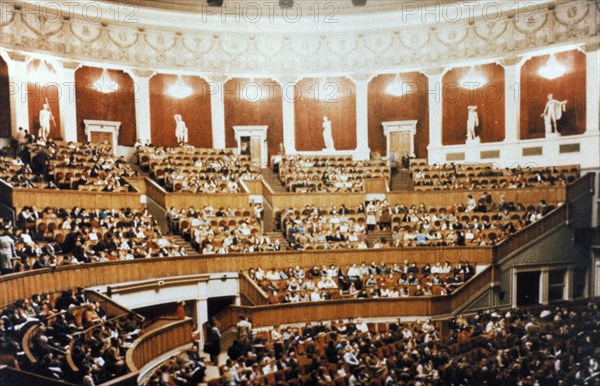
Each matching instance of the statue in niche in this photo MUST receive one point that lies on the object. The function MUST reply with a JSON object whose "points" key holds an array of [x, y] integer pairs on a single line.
{"points": [[552, 113], [45, 117], [327, 135], [472, 123], [181, 130]]}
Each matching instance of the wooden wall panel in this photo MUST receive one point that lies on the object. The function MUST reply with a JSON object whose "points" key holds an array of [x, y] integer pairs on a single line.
{"points": [[242, 108], [338, 104], [5, 121], [195, 111], [489, 100], [116, 106], [570, 87], [383, 107], [37, 93]]}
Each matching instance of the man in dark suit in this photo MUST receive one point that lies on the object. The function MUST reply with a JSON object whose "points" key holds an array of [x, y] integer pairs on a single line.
{"points": [[40, 163]]}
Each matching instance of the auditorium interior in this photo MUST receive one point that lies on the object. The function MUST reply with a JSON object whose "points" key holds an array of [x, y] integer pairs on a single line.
{"points": [[291, 192]]}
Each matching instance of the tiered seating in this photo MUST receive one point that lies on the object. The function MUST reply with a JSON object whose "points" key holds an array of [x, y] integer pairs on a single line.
{"points": [[329, 354], [71, 166], [476, 223], [46, 335], [224, 231], [328, 174], [197, 170], [56, 237], [486, 176], [360, 281], [313, 227]]}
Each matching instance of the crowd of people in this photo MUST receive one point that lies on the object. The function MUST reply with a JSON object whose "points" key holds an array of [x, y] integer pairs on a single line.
{"points": [[326, 174], [187, 368], [223, 230], [360, 281], [68, 337], [552, 345], [56, 236], [197, 170], [54, 165], [476, 222], [453, 176]]}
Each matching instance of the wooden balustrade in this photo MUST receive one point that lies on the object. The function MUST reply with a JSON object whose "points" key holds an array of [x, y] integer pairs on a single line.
{"points": [[442, 198], [270, 315], [254, 186], [21, 285], [376, 185], [553, 219], [252, 291], [41, 198], [198, 200], [11, 377], [138, 182], [446, 305], [583, 185], [158, 342], [267, 193], [525, 236], [6, 194], [321, 200], [111, 308]]}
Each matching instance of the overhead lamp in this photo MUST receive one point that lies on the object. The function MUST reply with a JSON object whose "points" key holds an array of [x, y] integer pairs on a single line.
{"points": [[105, 84], [552, 69], [42, 74], [396, 87], [473, 80], [180, 89]]}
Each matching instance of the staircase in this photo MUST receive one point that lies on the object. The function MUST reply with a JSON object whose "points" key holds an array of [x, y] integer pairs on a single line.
{"points": [[179, 241], [401, 181], [278, 236], [273, 181]]}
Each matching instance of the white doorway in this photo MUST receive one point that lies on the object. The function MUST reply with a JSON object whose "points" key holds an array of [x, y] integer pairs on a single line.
{"points": [[400, 136], [252, 141]]}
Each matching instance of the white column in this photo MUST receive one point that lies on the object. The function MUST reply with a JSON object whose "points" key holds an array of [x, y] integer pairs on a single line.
{"points": [[593, 92], [217, 110], [544, 286], [362, 118], [289, 114], [434, 91], [17, 77], [512, 103], [142, 104], [201, 317], [67, 103]]}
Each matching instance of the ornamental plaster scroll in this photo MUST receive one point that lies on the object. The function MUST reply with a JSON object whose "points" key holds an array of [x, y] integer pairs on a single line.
{"points": [[338, 52]]}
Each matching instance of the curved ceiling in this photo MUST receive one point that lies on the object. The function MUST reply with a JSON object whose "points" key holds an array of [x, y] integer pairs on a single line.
{"points": [[291, 7], [307, 15]]}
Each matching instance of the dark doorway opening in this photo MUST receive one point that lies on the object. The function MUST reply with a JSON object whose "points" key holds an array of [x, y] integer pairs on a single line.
{"points": [[528, 288]]}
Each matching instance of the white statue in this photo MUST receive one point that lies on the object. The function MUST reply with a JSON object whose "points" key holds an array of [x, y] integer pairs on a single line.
{"points": [[181, 131], [552, 113], [472, 123], [327, 135], [45, 117]]}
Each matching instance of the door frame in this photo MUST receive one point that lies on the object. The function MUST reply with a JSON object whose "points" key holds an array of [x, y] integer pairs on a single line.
{"points": [[399, 127], [259, 132]]}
